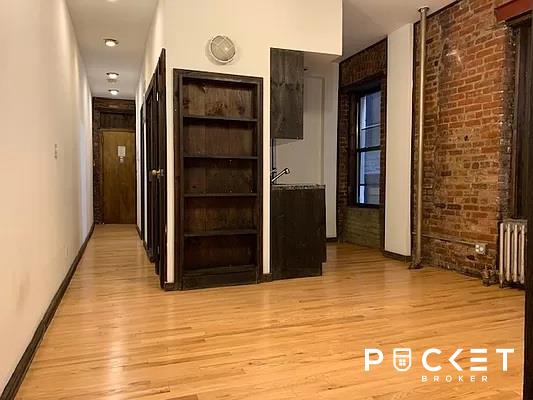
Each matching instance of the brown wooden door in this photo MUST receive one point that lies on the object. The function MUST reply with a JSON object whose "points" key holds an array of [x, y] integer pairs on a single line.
{"points": [[153, 181], [119, 176]]}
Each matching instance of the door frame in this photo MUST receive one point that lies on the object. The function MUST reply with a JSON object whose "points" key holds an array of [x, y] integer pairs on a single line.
{"points": [[528, 334], [106, 114], [101, 133]]}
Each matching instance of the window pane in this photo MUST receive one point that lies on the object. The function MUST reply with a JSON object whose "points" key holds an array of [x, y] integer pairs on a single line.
{"points": [[369, 172], [369, 195], [369, 168], [369, 137], [370, 110], [369, 120]]}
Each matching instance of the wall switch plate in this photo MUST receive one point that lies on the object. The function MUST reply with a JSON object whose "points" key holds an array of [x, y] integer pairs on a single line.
{"points": [[481, 248]]}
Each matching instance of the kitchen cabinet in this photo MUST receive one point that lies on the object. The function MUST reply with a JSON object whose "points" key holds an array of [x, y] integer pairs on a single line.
{"points": [[286, 94], [298, 230]]}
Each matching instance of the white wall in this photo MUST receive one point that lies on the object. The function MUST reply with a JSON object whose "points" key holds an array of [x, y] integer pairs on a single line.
{"points": [[46, 207], [314, 159], [255, 26], [398, 157], [153, 47]]}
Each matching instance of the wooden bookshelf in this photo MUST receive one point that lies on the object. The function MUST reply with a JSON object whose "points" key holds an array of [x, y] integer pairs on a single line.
{"points": [[218, 196]]}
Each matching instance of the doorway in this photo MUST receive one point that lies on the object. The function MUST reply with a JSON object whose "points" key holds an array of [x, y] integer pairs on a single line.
{"points": [[108, 114], [119, 184]]}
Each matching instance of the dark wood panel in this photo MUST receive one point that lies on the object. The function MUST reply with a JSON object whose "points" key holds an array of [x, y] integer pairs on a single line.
{"points": [[220, 251], [211, 214], [119, 106], [298, 232], [220, 277], [218, 137], [156, 164], [119, 177], [214, 98], [142, 172], [219, 176], [286, 94], [113, 120]]}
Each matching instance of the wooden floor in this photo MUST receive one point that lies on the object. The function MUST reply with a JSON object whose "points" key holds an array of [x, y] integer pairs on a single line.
{"points": [[116, 335]]}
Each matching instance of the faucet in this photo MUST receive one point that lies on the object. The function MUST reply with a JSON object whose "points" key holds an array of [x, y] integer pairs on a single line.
{"points": [[275, 175]]}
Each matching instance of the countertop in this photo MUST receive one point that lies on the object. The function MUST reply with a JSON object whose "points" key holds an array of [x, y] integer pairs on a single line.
{"points": [[296, 186]]}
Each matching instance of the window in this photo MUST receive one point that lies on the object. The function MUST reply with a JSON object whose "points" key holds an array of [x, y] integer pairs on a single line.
{"points": [[365, 149]]}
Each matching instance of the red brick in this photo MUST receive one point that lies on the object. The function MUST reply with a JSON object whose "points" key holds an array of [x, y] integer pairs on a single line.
{"points": [[470, 81]]}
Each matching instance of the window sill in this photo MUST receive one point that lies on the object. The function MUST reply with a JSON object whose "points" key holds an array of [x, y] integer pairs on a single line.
{"points": [[367, 206]]}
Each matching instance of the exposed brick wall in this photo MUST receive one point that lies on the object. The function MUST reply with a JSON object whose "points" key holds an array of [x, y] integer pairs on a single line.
{"points": [[352, 223], [468, 128], [107, 114], [362, 226]]}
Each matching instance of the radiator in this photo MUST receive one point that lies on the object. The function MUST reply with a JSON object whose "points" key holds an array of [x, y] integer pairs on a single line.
{"points": [[513, 236]]}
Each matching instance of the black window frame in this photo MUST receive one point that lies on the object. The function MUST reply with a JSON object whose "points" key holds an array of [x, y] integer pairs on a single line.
{"points": [[354, 151]]}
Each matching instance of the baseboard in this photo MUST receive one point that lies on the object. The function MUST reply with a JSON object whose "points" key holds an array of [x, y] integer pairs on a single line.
{"points": [[267, 278], [467, 271], [332, 239], [398, 257], [170, 287], [18, 375]]}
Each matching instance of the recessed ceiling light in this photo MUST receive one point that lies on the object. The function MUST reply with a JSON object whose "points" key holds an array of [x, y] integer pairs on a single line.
{"points": [[111, 42], [113, 75], [114, 92]]}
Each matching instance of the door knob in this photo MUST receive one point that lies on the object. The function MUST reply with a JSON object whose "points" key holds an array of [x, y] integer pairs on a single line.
{"points": [[157, 172]]}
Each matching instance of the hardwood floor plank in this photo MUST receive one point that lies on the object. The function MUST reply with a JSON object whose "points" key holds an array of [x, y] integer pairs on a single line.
{"points": [[116, 335]]}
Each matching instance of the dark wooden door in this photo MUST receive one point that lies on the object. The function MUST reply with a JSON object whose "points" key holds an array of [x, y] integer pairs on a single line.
{"points": [[142, 164], [119, 176], [156, 163], [286, 94], [151, 182]]}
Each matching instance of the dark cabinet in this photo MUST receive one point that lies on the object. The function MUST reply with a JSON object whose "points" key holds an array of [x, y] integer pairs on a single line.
{"points": [[286, 94], [298, 231]]}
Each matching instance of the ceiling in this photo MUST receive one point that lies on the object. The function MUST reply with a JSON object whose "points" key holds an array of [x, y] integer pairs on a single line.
{"points": [[128, 21], [365, 22]]}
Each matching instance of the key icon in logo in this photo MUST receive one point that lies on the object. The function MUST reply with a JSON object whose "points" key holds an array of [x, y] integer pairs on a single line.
{"points": [[402, 360]]}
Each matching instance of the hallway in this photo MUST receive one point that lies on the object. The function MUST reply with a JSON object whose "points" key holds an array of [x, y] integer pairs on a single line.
{"points": [[116, 335]]}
